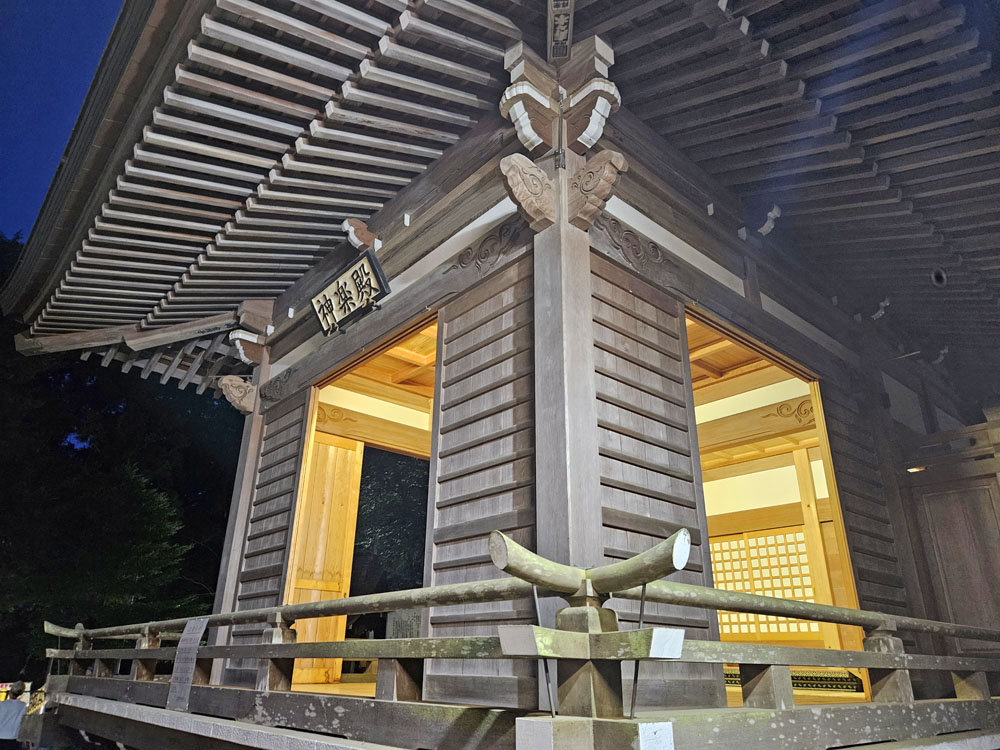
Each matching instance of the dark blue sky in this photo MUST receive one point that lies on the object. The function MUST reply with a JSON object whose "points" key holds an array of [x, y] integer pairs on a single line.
{"points": [[49, 50]]}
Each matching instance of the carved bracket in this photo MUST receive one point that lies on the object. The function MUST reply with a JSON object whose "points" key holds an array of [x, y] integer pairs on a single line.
{"points": [[765, 216], [531, 189], [249, 346], [589, 108], [359, 236], [238, 392], [532, 113], [591, 186], [578, 92]]}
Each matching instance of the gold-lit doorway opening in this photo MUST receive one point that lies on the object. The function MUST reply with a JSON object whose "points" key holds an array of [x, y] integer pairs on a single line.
{"points": [[384, 403], [774, 521]]}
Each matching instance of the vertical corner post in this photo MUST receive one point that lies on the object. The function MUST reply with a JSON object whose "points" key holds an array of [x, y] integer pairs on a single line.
{"points": [[589, 687]]}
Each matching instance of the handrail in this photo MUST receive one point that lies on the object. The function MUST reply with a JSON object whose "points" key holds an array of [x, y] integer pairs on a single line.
{"points": [[556, 580], [477, 592]]}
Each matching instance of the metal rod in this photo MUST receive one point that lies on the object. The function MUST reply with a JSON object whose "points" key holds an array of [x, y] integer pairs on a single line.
{"points": [[635, 673], [545, 664]]}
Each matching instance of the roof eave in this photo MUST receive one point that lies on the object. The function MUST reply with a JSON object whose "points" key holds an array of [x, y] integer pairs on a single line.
{"points": [[141, 51]]}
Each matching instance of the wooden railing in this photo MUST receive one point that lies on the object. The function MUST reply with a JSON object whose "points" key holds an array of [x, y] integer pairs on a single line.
{"points": [[585, 644]]}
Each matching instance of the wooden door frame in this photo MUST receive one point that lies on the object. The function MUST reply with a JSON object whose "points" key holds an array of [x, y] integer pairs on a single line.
{"points": [[849, 636]]}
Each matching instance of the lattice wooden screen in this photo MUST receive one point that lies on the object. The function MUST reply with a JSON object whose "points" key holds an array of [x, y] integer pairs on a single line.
{"points": [[770, 563]]}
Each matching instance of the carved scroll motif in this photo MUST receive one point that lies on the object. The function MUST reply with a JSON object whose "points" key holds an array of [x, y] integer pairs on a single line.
{"points": [[331, 415], [591, 186], [274, 389], [238, 392], [490, 249], [531, 189], [802, 412], [634, 249]]}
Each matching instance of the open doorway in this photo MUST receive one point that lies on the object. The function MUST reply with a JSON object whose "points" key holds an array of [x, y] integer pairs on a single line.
{"points": [[361, 514], [774, 521]]}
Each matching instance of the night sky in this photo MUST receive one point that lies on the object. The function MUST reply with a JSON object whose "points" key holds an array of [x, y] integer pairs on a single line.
{"points": [[49, 51]]}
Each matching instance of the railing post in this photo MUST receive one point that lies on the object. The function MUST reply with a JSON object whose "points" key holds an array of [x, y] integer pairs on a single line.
{"points": [[888, 685], [276, 674], [202, 672], [145, 669], [591, 687], [104, 668], [971, 686], [766, 686], [83, 643], [399, 679]]}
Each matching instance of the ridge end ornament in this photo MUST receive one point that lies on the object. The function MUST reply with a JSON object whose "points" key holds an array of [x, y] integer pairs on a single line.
{"points": [[239, 392], [531, 189], [592, 185]]}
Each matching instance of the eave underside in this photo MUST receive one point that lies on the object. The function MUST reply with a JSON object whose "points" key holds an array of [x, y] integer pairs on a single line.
{"points": [[873, 126]]}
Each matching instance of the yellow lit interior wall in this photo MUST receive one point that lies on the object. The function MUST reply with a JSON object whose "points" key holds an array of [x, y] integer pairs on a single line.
{"points": [[375, 407], [761, 489]]}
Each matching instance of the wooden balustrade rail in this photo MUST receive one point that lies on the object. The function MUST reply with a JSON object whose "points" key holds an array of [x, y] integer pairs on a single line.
{"points": [[509, 589], [586, 646]]}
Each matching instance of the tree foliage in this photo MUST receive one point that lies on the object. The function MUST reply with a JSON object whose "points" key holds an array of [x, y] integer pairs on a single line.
{"points": [[392, 518], [114, 497]]}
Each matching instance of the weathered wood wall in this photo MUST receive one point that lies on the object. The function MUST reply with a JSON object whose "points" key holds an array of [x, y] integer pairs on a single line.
{"points": [[266, 540], [649, 461], [482, 475], [871, 535]]}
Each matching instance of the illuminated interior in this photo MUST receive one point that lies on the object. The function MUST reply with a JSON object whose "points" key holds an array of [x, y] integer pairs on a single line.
{"points": [[382, 405], [774, 528]]}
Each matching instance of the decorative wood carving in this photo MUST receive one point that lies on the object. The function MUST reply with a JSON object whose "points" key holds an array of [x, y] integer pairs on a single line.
{"points": [[490, 249], [802, 412], [635, 250], [239, 392], [537, 97], [275, 389], [532, 113], [765, 217], [591, 186], [588, 110], [359, 236], [531, 189], [249, 346]]}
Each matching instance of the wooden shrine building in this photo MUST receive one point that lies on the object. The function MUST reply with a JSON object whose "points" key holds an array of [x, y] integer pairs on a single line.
{"points": [[687, 309]]}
